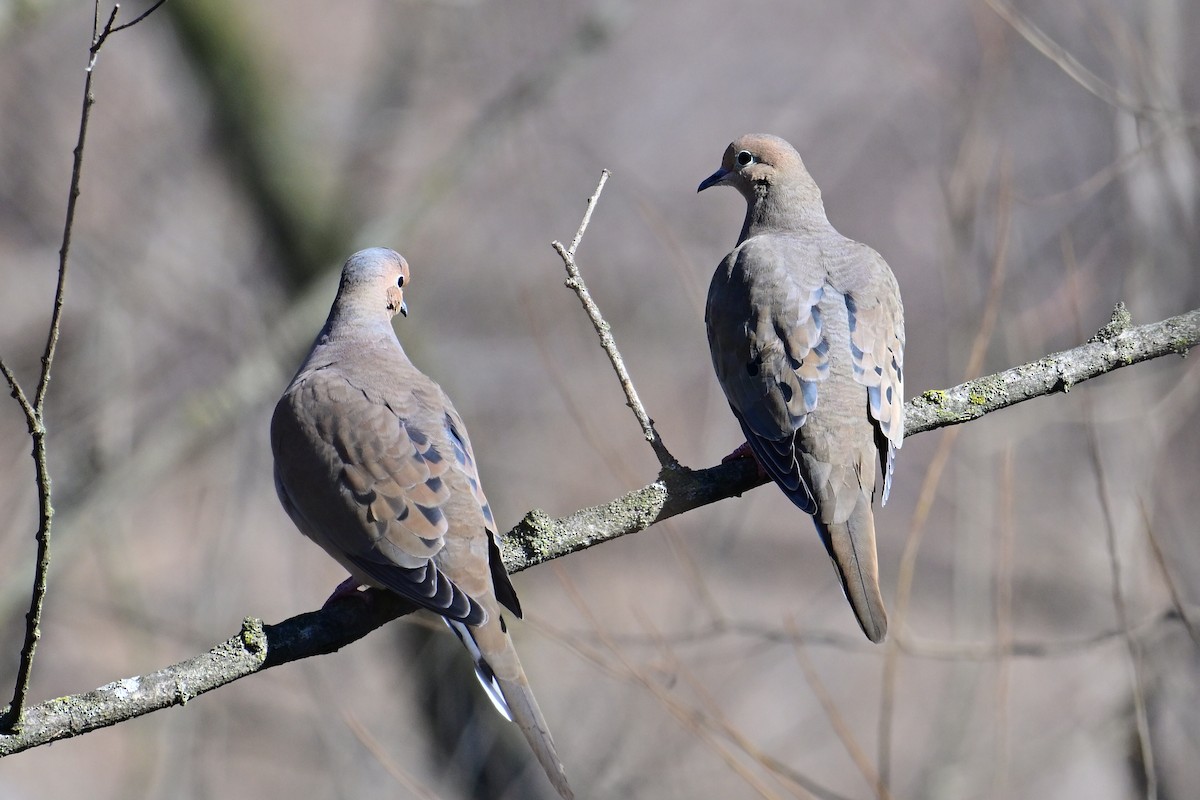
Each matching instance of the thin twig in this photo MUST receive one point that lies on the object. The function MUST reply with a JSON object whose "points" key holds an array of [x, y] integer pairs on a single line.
{"points": [[137, 19], [1003, 593], [840, 727], [18, 394], [692, 719], [109, 29], [64, 250], [604, 331], [1071, 66], [713, 717], [1161, 560], [587, 215], [1133, 650], [617, 465], [1132, 647], [982, 652], [98, 37], [385, 759], [925, 649], [12, 715]]}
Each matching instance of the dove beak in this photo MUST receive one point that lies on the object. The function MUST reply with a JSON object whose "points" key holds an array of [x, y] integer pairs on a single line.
{"points": [[715, 179], [403, 309]]}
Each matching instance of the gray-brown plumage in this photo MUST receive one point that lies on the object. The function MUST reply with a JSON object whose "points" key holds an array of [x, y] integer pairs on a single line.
{"points": [[373, 463], [806, 331]]}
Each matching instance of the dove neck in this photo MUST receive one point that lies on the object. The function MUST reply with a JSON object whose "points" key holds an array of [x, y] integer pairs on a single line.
{"points": [[774, 208], [347, 324]]}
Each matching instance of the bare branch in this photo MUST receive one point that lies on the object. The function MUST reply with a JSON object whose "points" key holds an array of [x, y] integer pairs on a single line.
{"points": [[110, 30], [255, 648], [1133, 650], [1115, 346], [539, 538], [603, 330], [18, 394], [11, 715], [98, 40], [258, 647], [98, 37], [64, 249]]}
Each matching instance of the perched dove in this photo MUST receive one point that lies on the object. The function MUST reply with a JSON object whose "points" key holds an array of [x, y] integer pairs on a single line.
{"points": [[373, 463], [806, 331]]}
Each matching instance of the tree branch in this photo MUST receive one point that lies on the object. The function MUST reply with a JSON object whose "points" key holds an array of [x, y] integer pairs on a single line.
{"points": [[604, 330], [11, 715], [255, 648], [1116, 345], [539, 538]]}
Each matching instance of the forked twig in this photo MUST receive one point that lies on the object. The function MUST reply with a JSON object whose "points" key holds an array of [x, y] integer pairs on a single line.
{"points": [[604, 331], [11, 716], [109, 30]]}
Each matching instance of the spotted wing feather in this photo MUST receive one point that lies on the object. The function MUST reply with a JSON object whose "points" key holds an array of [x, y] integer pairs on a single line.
{"points": [[389, 480], [876, 320], [766, 336]]}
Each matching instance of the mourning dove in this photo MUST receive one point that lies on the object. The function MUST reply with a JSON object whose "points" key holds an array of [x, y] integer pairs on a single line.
{"points": [[373, 463], [806, 331]]}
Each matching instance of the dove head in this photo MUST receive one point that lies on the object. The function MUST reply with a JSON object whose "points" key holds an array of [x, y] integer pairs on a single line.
{"points": [[373, 283], [779, 192]]}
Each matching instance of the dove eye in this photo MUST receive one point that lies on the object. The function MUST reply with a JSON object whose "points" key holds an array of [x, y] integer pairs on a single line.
{"points": [[744, 158], [400, 282]]}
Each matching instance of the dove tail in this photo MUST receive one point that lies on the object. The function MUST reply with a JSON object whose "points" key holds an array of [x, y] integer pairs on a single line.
{"points": [[527, 715], [851, 545], [483, 670], [512, 696]]}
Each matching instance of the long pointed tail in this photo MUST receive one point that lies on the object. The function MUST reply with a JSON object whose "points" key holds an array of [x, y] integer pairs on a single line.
{"points": [[851, 545], [503, 678], [525, 712]]}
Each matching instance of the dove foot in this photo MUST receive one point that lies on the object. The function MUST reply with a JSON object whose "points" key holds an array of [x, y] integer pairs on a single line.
{"points": [[744, 451], [347, 588]]}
